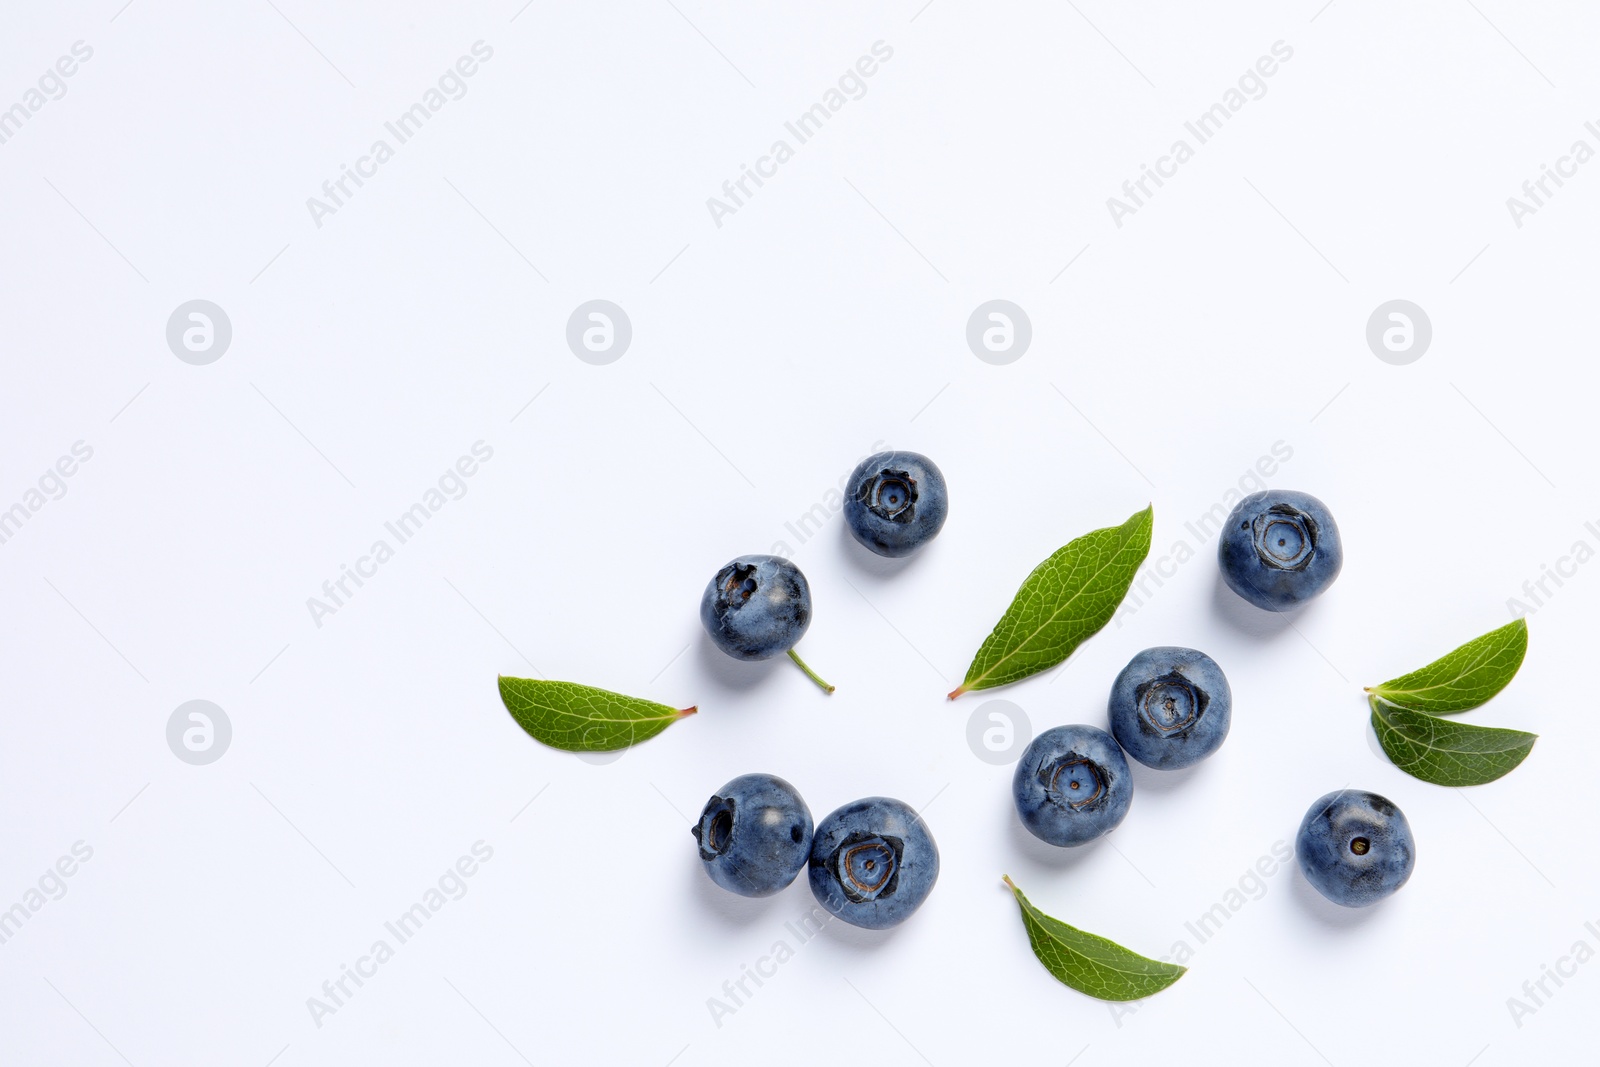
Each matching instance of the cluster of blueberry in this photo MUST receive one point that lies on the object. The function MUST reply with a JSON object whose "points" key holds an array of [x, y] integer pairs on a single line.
{"points": [[1171, 707], [873, 861], [757, 607]]}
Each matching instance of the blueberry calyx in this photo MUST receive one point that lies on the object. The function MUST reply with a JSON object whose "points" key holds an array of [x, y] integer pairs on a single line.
{"points": [[1285, 537], [1171, 704], [714, 831], [866, 866], [736, 584], [1074, 780], [891, 495]]}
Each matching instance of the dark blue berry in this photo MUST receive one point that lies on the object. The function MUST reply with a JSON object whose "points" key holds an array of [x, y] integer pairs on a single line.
{"points": [[757, 607], [754, 835], [873, 862], [1071, 785], [1279, 548], [1170, 707], [895, 502], [1355, 847]]}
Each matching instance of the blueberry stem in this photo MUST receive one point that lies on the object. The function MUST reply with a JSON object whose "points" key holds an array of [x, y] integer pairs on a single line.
{"points": [[826, 688]]}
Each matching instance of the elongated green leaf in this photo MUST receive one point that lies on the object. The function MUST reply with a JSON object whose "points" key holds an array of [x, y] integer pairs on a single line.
{"points": [[1446, 752], [581, 718], [1065, 601], [1089, 963], [1462, 679]]}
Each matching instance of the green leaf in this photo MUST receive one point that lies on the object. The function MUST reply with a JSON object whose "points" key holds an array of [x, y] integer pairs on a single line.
{"points": [[581, 718], [1065, 601], [1463, 679], [1091, 964], [1446, 752]]}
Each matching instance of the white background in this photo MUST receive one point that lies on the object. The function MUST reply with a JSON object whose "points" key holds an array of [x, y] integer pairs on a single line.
{"points": [[769, 354]]}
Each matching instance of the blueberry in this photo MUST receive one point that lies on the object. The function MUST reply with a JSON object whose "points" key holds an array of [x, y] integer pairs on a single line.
{"points": [[1170, 707], [754, 835], [1072, 785], [757, 607], [873, 862], [895, 502], [1355, 847], [1279, 548]]}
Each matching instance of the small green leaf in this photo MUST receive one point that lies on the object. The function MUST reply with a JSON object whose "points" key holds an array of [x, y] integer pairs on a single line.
{"points": [[1446, 752], [581, 718], [1463, 679], [1063, 603], [1089, 963]]}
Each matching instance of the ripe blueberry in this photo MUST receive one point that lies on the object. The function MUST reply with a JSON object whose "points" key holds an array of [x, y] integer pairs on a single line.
{"points": [[754, 835], [895, 502], [873, 862], [1072, 785], [1279, 548], [756, 607], [1355, 847], [1170, 707]]}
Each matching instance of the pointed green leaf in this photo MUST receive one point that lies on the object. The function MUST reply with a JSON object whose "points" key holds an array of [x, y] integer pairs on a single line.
{"points": [[581, 718], [1089, 963], [1463, 679], [1446, 752], [1065, 601]]}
